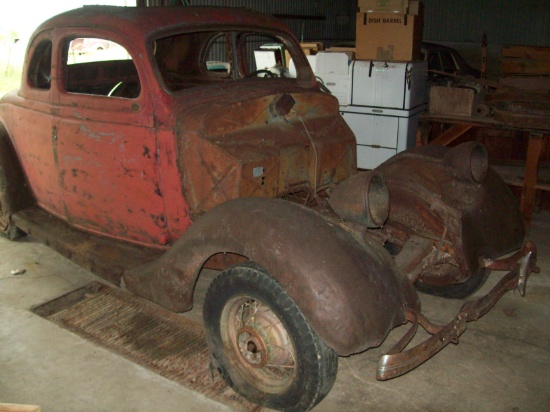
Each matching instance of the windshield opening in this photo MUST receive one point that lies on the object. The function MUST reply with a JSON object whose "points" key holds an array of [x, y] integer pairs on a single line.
{"points": [[187, 60]]}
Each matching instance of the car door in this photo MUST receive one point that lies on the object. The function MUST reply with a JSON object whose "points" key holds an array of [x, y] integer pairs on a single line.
{"points": [[108, 163], [32, 128]]}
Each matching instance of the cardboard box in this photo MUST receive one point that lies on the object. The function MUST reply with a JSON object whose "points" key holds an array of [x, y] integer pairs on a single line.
{"points": [[416, 8], [384, 6], [388, 37], [455, 101]]}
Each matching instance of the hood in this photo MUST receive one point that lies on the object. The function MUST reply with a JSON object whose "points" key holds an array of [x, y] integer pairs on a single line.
{"points": [[264, 146]]}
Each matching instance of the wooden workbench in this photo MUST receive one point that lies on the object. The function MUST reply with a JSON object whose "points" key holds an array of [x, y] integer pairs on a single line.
{"points": [[537, 138]]}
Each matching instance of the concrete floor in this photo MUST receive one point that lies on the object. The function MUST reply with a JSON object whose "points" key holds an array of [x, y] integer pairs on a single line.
{"points": [[501, 364]]}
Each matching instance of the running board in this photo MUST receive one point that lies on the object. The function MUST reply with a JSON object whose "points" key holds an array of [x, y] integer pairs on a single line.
{"points": [[104, 257]]}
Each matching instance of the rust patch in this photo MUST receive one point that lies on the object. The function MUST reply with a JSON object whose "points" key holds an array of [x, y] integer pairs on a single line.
{"points": [[168, 344], [146, 152]]}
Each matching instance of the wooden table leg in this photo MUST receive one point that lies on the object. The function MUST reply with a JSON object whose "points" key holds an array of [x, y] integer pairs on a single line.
{"points": [[534, 149], [451, 134]]}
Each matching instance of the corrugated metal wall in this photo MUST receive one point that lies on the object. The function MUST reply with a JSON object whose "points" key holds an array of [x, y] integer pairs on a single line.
{"points": [[457, 23], [332, 22], [461, 24], [506, 22]]}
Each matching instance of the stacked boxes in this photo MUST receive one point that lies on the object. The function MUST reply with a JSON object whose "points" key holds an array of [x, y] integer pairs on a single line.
{"points": [[382, 89], [386, 100], [389, 30]]}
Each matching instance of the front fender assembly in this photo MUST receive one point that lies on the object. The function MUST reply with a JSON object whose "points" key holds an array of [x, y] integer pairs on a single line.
{"points": [[351, 295]]}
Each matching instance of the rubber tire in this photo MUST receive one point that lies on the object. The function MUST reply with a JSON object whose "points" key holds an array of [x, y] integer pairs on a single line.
{"points": [[7, 228], [317, 364], [11, 232], [458, 291], [14, 191]]}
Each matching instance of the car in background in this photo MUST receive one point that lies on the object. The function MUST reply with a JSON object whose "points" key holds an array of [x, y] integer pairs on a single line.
{"points": [[446, 59], [439, 57]]}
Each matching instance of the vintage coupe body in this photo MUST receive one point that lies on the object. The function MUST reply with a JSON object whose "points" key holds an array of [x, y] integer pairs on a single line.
{"points": [[177, 142]]}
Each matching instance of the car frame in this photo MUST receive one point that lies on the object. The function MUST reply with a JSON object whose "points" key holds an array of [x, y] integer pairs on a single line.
{"points": [[145, 169]]}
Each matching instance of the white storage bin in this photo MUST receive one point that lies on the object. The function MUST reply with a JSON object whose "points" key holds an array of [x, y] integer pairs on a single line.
{"points": [[398, 85], [380, 136]]}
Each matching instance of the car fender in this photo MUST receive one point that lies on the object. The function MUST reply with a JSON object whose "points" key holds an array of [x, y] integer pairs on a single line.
{"points": [[350, 292], [434, 195], [14, 191]]}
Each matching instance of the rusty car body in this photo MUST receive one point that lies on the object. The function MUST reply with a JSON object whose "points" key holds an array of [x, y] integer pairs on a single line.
{"points": [[177, 149]]}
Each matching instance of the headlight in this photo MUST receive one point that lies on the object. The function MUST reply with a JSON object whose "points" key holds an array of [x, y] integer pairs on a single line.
{"points": [[362, 198], [468, 161]]}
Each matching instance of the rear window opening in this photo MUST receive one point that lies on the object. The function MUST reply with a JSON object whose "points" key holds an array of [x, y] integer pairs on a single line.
{"points": [[187, 60]]}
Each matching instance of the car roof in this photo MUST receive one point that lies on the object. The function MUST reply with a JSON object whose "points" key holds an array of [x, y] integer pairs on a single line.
{"points": [[434, 46], [142, 21]]}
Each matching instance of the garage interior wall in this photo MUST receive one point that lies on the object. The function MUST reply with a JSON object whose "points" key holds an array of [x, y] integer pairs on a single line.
{"points": [[459, 24], [332, 22], [505, 22]]}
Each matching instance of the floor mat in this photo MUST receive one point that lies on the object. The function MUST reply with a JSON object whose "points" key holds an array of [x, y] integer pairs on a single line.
{"points": [[164, 342]]}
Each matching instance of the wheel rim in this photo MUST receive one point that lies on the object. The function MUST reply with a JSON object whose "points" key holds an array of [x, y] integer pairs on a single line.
{"points": [[259, 345]]}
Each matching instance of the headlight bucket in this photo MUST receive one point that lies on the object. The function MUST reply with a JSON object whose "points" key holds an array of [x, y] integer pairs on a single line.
{"points": [[362, 198], [468, 161]]}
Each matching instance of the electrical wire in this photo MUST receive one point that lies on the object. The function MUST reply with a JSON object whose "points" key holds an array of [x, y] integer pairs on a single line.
{"points": [[290, 115]]}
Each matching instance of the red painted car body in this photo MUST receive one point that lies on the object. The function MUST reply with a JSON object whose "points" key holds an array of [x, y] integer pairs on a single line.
{"points": [[70, 140]]}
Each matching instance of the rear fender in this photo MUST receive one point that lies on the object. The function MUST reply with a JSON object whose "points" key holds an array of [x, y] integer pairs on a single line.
{"points": [[350, 292]]}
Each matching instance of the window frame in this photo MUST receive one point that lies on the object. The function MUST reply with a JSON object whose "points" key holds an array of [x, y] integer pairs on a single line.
{"points": [[27, 90], [44, 47], [64, 36], [305, 73]]}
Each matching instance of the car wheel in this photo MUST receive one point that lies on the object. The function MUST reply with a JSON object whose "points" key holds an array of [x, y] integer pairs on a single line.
{"points": [[261, 343], [458, 291], [7, 228]]}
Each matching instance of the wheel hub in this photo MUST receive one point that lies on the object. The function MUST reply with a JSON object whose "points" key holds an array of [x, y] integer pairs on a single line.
{"points": [[252, 347], [263, 350]]}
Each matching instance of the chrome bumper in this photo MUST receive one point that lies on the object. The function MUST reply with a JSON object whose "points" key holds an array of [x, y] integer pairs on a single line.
{"points": [[398, 361]]}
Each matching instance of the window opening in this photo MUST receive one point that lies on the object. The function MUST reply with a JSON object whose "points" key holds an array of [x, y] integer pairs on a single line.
{"points": [[40, 68], [101, 67], [187, 60]]}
